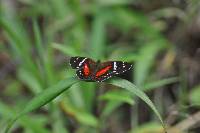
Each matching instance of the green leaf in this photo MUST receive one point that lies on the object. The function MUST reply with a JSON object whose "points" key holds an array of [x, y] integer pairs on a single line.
{"points": [[159, 83], [113, 2], [38, 39], [80, 115], [195, 95], [98, 35], [87, 118], [110, 107], [148, 128], [65, 49], [146, 59], [52, 92], [33, 123], [135, 90], [120, 96], [30, 80], [43, 98]]}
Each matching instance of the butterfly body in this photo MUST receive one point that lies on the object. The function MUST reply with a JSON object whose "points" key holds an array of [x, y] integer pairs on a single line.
{"points": [[89, 70]]}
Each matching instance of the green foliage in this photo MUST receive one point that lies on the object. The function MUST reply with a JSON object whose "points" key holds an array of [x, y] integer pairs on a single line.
{"points": [[97, 46], [40, 38], [195, 96], [83, 117], [33, 123], [43, 98], [138, 92], [118, 96], [148, 128], [159, 83]]}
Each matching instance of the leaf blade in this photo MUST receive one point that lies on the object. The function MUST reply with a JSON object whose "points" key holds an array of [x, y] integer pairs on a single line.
{"points": [[122, 83], [43, 98]]}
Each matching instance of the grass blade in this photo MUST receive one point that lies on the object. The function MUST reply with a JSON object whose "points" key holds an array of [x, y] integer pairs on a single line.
{"points": [[156, 84], [135, 90], [38, 39], [98, 36], [67, 50], [43, 98]]}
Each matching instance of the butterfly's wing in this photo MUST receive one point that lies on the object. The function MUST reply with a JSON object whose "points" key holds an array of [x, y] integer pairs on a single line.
{"points": [[110, 69], [120, 67], [84, 65], [77, 62]]}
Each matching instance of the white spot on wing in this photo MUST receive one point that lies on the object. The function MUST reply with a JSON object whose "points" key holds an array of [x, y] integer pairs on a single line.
{"points": [[115, 66], [82, 62]]}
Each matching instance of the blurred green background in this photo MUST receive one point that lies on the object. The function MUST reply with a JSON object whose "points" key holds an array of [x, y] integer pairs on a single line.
{"points": [[160, 37]]}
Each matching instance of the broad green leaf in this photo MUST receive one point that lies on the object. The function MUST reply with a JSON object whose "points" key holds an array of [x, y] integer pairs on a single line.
{"points": [[43, 98], [138, 92]]}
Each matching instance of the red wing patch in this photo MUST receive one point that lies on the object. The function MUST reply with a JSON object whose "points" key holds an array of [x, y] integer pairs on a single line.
{"points": [[86, 70], [89, 70], [103, 71]]}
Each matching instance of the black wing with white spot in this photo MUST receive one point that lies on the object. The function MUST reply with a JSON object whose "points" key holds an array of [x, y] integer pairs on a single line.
{"points": [[110, 69], [85, 67], [120, 67], [77, 62]]}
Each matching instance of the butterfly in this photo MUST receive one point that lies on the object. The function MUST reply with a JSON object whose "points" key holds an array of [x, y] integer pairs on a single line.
{"points": [[89, 70]]}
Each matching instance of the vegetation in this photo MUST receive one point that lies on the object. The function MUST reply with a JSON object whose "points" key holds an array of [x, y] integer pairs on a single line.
{"points": [[160, 38]]}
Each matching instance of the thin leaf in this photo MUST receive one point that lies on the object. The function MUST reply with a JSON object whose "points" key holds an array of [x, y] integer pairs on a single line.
{"points": [[67, 50], [28, 79], [38, 39], [119, 96], [159, 83], [135, 90], [195, 95], [34, 123], [98, 35], [151, 127], [110, 107], [43, 98], [82, 116], [145, 60]]}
